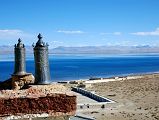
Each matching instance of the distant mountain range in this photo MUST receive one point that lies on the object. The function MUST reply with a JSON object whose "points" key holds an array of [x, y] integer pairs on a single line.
{"points": [[90, 50], [10, 49]]}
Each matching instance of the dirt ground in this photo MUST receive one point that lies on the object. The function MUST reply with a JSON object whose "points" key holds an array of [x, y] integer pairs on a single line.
{"points": [[136, 99]]}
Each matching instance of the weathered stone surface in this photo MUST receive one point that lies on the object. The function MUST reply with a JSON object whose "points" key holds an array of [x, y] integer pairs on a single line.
{"points": [[54, 100], [19, 81], [54, 104]]}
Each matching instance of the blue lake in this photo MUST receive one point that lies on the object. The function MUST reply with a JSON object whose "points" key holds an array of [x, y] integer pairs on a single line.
{"points": [[74, 67]]}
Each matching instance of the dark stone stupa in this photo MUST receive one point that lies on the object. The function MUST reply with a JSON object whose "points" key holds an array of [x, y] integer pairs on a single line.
{"points": [[20, 77], [19, 52], [42, 71]]}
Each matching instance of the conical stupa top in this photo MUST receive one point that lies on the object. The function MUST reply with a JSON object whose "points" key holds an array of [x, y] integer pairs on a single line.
{"points": [[20, 44], [40, 43]]}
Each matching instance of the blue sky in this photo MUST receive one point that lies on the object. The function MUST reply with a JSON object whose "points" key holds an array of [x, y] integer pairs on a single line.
{"points": [[80, 22]]}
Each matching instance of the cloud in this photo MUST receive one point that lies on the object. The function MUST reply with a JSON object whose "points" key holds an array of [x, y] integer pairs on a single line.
{"points": [[70, 32], [5, 31], [13, 34], [57, 42], [114, 33], [151, 33]]}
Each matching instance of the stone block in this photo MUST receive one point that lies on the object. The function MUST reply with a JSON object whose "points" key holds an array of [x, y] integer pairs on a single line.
{"points": [[19, 81]]}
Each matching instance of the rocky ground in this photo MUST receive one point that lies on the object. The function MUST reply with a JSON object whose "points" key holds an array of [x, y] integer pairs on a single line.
{"points": [[136, 99], [34, 90]]}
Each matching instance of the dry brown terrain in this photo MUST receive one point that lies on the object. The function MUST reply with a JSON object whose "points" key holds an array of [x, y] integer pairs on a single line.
{"points": [[136, 99]]}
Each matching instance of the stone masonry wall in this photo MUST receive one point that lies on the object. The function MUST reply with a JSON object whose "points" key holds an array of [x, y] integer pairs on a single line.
{"points": [[53, 104], [53, 99]]}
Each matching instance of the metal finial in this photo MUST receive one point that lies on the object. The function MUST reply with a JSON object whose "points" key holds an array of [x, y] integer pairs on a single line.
{"points": [[40, 36], [40, 43], [20, 45], [19, 40]]}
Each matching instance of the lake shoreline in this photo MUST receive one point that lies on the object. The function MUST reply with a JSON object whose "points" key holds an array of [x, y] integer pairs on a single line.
{"points": [[113, 78], [76, 67]]}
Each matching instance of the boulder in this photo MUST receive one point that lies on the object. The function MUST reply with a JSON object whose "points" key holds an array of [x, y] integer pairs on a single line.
{"points": [[20, 81]]}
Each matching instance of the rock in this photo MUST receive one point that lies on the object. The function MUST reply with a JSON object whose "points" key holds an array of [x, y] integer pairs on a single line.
{"points": [[19, 81]]}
